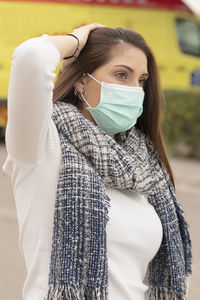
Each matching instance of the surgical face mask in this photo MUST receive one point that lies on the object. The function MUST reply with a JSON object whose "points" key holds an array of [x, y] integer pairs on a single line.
{"points": [[119, 107]]}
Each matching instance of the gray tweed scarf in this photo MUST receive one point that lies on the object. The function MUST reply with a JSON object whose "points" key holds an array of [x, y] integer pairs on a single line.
{"points": [[91, 160]]}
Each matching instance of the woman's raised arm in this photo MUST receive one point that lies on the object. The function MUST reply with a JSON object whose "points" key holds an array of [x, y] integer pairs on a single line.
{"points": [[30, 97], [30, 90]]}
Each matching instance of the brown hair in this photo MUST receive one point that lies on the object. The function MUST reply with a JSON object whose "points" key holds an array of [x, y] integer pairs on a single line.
{"points": [[97, 53]]}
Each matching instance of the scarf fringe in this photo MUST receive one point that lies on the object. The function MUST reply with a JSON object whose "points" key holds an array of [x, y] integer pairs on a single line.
{"points": [[60, 292], [159, 293]]}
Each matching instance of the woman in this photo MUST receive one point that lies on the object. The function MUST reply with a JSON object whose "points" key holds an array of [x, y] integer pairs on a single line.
{"points": [[98, 217]]}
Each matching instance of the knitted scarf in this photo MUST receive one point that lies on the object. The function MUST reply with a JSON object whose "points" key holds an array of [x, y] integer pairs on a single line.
{"points": [[92, 160]]}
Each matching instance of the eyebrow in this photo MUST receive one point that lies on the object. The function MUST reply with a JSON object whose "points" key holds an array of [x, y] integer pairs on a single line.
{"points": [[131, 70]]}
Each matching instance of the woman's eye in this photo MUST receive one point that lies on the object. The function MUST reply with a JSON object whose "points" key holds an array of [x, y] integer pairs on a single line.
{"points": [[121, 75], [142, 82]]}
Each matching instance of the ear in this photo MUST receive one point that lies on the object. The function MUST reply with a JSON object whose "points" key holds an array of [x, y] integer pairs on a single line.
{"points": [[81, 84]]}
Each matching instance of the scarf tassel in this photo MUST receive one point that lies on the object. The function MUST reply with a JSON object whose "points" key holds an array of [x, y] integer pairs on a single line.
{"points": [[60, 292], [159, 293]]}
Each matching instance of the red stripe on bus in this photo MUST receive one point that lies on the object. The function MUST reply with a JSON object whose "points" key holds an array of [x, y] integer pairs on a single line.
{"points": [[153, 4]]}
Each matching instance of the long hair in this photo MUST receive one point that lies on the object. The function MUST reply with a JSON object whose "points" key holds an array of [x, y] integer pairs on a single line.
{"points": [[96, 53]]}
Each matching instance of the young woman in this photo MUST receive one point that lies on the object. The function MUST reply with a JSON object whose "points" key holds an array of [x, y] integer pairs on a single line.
{"points": [[98, 216]]}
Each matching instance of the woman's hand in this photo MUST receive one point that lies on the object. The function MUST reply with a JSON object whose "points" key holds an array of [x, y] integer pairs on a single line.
{"points": [[82, 34]]}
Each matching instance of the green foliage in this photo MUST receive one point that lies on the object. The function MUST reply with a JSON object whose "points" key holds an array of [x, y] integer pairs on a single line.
{"points": [[182, 123]]}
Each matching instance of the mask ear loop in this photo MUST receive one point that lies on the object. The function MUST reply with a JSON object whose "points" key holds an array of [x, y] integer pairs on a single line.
{"points": [[84, 74], [93, 78], [85, 100], [96, 81]]}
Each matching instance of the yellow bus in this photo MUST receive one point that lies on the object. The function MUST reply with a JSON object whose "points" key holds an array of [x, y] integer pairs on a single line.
{"points": [[169, 27]]}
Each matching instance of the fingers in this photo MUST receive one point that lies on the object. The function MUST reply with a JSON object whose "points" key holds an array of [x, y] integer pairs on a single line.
{"points": [[83, 32], [94, 25], [91, 26], [88, 27]]}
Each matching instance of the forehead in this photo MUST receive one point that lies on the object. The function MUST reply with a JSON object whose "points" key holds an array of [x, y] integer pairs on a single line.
{"points": [[126, 54]]}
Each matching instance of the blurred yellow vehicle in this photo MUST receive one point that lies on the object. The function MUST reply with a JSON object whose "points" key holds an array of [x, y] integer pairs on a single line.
{"points": [[169, 27]]}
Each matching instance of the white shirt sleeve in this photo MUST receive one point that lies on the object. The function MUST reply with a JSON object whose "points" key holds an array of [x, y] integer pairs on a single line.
{"points": [[30, 96]]}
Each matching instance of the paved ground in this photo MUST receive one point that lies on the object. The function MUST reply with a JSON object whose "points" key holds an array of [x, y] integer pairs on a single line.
{"points": [[12, 268]]}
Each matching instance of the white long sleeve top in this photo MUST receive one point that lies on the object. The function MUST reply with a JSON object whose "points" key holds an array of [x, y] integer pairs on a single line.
{"points": [[134, 230]]}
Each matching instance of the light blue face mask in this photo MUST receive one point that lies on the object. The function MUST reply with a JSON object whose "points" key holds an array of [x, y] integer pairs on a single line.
{"points": [[119, 107]]}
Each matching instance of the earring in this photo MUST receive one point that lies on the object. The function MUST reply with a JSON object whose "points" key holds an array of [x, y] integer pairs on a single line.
{"points": [[76, 92], [85, 93]]}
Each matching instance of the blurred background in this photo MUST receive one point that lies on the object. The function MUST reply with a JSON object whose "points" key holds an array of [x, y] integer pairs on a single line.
{"points": [[172, 29]]}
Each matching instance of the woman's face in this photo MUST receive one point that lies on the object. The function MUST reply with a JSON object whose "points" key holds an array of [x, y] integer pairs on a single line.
{"points": [[127, 66]]}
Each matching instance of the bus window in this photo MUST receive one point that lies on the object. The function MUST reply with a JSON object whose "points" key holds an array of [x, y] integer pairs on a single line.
{"points": [[188, 33]]}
